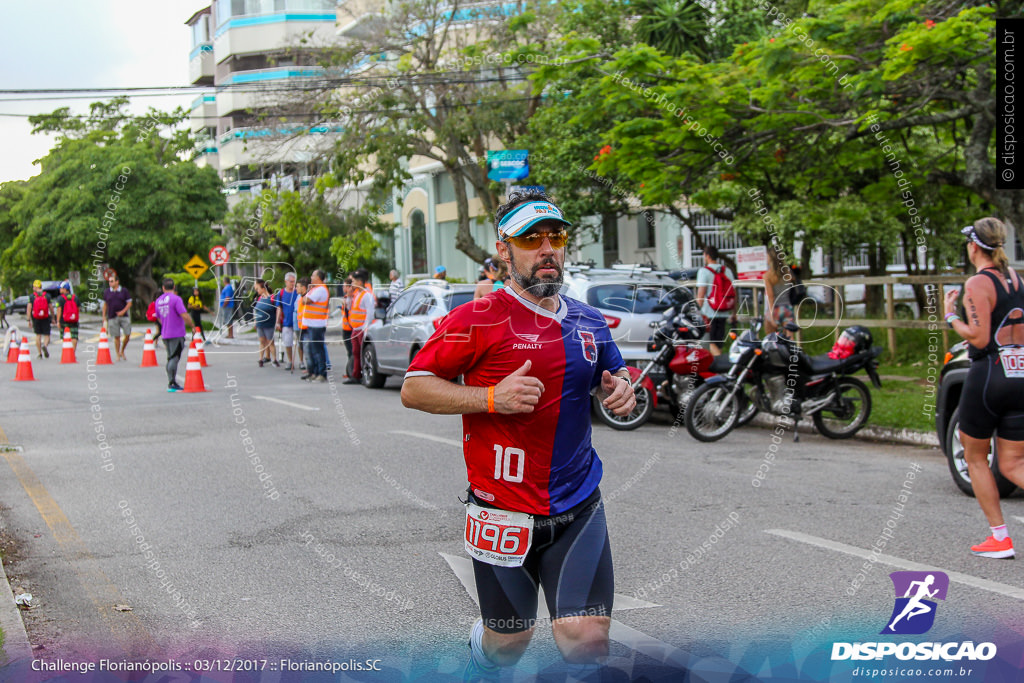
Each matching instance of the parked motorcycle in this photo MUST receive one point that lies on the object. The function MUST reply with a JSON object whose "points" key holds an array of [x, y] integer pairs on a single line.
{"points": [[784, 380], [680, 366]]}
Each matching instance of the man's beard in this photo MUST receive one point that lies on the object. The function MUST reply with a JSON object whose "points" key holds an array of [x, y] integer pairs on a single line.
{"points": [[538, 287]]}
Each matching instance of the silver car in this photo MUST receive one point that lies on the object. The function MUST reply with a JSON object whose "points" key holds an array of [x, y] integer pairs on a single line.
{"points": [[629, 303], [391, 343]]}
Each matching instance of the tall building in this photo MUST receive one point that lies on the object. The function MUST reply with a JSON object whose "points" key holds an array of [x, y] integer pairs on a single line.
{"points": [[247, 50]]}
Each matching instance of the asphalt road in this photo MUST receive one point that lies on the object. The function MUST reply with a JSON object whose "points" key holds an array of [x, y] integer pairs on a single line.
{"points": [[333, 540]]}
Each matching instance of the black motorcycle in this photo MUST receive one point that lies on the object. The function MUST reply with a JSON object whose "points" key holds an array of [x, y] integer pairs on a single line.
{"points": [[680, 366], [783, 380]]}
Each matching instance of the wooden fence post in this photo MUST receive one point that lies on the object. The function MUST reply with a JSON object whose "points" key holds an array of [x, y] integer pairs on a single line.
{"points": [[890, 316]]}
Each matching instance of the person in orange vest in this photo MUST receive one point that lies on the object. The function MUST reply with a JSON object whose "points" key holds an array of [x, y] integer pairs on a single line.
{"points": [[316, 304], [301, 287], [346, 323], [360, 315]]}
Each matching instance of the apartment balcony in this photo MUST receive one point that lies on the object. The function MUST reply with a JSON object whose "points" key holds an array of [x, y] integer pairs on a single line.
{"points": [[201, 65], [203, 113], [288, 143], [242, 35], [254, 89]]}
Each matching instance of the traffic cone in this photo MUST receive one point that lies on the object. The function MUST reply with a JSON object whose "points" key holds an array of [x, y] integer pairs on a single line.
{"points": [[198, 339], [193, 371], [67, 354], [103, 350], [12, 349], [149, 351], [24, 372]]}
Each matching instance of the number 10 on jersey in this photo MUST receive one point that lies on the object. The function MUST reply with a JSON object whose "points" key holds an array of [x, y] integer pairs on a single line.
{"points": [[507, 459]]}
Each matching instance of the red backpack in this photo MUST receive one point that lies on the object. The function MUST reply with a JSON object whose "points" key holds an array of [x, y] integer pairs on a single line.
{"points": [[723, 294], [40, 307], [70, 309]]}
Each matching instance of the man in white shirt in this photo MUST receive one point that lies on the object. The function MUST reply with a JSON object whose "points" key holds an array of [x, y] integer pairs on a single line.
{"points": [[395, 288]]}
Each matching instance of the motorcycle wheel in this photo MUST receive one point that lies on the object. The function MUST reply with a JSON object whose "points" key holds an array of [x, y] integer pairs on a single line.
{"points": [[700, 418], [640, 414], [958, 464], [848, 411], [748, 409]]}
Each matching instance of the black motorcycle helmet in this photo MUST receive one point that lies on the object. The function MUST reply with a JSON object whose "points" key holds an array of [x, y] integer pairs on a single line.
{"points": [[861, 337]]}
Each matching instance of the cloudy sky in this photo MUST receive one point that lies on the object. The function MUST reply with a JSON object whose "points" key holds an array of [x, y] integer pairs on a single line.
{"points": [[91, 44]]}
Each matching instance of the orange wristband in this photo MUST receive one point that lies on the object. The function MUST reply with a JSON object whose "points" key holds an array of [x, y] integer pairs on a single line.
{"points": [[490, 399]]}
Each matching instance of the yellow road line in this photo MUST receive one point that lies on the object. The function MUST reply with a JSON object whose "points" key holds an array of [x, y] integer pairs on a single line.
{"points": [[130, 636]]}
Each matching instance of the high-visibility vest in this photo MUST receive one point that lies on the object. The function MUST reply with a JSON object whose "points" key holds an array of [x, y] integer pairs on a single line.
{"points": [[316, 310], [346, 322], [357, 316], [299, 309]]}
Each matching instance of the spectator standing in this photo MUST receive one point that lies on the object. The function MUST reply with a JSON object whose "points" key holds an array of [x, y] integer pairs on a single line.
{"points": [[174, 320], [68, 307], [301, 287], [316, 302], [441, 273], [117, 315], [195, 310], [779, 282], [395, 288], [227, 308], [360, 316], [286, 299], [3, 312], [38, 311], [264, 316], [346, 323], [707, 294]]}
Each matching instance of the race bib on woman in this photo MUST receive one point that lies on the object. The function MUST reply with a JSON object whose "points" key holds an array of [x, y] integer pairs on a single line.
{"points": [[498, 537], [1012, 360]]}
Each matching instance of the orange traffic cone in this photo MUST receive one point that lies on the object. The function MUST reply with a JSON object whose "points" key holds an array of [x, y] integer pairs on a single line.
{"points": [[12, 349], [149, 351], [198, 339], [67, 354], [103, 350], [24, 372], [193, 371]]}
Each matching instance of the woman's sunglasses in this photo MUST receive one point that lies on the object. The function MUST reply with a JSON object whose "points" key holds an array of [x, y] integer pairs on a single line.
{"points": [[533, 241]]}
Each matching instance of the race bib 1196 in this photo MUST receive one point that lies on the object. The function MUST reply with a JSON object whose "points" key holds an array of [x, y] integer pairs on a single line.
{"points": [[498, 537]]}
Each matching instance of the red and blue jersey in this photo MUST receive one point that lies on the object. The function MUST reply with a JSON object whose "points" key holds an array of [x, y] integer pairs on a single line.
{"points": [[541, 462]]}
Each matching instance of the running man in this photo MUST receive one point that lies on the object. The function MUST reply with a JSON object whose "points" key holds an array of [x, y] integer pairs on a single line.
{"points": [[530, 360], [914, 606]]}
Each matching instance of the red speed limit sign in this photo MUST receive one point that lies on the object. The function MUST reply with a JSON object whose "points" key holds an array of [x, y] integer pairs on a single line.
{"points": [[218, 256]]}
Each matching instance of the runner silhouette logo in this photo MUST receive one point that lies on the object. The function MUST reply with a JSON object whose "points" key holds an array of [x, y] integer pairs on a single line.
{"points": [[916, 595]]}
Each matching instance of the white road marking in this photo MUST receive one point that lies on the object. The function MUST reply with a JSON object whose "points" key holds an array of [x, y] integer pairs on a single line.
{"points": [[300, 406], [1019, 519], [638, 641], [966, 579], [429, 437]]}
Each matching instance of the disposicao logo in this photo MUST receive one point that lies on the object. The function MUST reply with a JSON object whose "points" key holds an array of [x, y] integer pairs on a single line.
{"points": [[916, 592], [914, 614]]}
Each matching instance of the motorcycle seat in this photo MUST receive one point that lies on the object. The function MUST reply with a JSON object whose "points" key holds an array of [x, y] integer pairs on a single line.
{"points": [[720, 365], [823, 365]]}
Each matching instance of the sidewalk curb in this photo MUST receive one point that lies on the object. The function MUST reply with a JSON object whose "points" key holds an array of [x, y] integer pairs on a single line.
{"points": [[908, 437], [16, 650]]}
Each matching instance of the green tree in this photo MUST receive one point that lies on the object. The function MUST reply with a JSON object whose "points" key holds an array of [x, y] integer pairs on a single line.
{"points": [[115, 189]]}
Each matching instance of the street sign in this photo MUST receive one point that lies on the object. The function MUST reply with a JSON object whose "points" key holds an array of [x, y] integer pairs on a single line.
{"points": [[195, 266], [751, 263], [218, 256], [508, 165], [109, 273]]}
